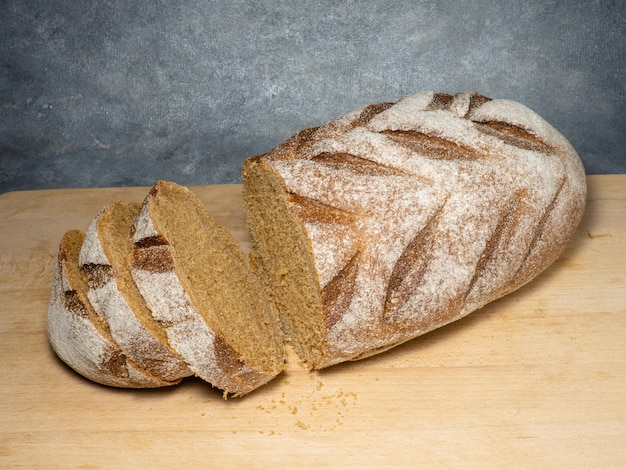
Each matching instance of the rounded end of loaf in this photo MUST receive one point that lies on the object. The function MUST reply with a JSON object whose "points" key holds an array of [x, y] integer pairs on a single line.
{"points": [[81, 338]]}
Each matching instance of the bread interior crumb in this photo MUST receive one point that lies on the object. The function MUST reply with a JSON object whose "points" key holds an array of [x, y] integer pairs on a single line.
{"points": [[114, 226], [215, 275], [283, 256]]}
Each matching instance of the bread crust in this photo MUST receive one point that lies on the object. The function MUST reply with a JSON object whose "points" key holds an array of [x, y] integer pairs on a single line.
{"points": [[420, 212], [78, 336]]}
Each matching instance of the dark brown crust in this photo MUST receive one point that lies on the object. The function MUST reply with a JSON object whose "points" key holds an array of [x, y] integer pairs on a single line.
{"points": [[431, 146], [356, 165], [313, 210], [440, 101], [370, 111], [149, 242], [337, 294], [235, 372], [74, 304], [514, 135], [409, 269], [154, 258], [97, 275], [476, 101]]}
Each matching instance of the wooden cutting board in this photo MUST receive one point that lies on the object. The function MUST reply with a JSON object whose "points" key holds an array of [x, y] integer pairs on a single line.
{"points": [[534, 380]]}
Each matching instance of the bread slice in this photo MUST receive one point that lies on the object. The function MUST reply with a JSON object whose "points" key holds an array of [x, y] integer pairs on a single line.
{"points": [[104, 259], [399, 218], [78, 335], [197, 284]]}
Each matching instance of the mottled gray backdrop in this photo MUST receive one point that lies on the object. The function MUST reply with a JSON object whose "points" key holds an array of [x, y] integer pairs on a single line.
{"points": [[116, 92]]}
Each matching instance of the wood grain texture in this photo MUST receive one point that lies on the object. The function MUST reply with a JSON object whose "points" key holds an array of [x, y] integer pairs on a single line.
{"points": [[534, 380]]}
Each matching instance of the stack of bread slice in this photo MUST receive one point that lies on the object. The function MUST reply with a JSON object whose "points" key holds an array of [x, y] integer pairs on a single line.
{"points": [[170, 294]]}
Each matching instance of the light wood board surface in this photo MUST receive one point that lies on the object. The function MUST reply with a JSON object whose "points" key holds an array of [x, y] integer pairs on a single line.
{"points": [[534, 380]]}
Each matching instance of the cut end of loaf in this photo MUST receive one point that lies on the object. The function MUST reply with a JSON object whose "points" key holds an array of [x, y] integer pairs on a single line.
{"points": [[282, 257]]}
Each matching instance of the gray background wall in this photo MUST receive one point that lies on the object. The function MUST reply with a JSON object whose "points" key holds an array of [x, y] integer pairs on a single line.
{"points": [[115, 92]]}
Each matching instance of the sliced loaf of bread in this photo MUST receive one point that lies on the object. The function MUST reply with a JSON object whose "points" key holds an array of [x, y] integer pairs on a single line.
{"points": [[377, 227]]}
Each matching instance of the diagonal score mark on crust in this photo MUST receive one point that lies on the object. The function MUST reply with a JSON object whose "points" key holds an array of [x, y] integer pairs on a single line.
{"points": [[74, 304], [356, 165], [312, 210], [338, 293], [476, 101], [432, 147], [440, 101], [538, 233], [514, 135], [445, 101], [155, 258], [499, 240], [229, 361], [149, 242], [369, 112], [97, 275], [409, 269]]}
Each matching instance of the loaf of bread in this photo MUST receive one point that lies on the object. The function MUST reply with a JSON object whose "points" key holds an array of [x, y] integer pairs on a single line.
{"points": [[199, 287], [368, 231], [397, 219], [79, 336]]}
